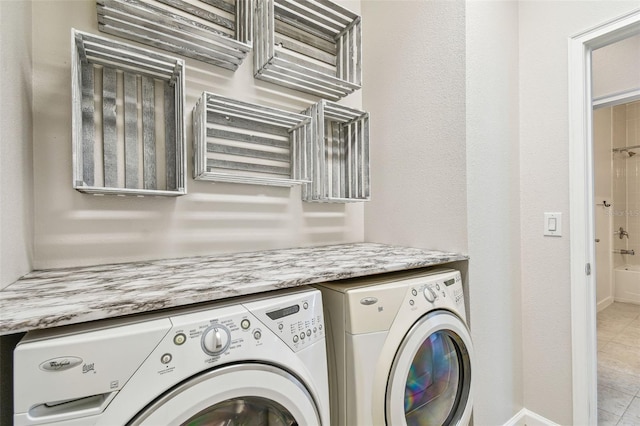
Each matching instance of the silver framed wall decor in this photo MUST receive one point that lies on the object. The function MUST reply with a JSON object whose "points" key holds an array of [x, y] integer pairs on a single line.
{"points": [[218, 32], [339, 161], [127, 119], [313, 46], [242, 142]]}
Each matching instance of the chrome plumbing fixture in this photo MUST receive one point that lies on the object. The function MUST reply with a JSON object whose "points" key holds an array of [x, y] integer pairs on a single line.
{"points": [[624, 251], [622, 233], [627, 150]]}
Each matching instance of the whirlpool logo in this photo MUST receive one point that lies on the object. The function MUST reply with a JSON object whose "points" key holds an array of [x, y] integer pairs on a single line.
{"points": [[61, 363]]}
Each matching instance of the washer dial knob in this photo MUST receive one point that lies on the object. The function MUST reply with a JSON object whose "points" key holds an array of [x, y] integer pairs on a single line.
{"points": [[429, 294], [215, 339]]}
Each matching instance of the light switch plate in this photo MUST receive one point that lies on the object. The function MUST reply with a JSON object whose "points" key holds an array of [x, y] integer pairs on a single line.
{"points": [[553, 224]]}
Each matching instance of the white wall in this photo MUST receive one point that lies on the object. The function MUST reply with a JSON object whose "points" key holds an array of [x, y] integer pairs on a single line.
{"points": [[615, 67], [414, 89], [544, 185], [79, 229], [16, 167], [493, 196]]}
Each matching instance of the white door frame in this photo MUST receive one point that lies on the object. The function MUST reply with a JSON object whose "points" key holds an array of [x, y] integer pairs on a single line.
{"points": [[583, 289]]}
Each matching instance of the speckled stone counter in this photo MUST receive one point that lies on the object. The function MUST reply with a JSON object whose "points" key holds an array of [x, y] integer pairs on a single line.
{"points": [[51, 298]]}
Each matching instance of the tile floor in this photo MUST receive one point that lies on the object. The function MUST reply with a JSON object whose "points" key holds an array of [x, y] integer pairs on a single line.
{"points": [[619, 365]]}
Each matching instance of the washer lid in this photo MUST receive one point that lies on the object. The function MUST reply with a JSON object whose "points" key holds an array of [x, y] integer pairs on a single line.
{"points": [[234, 394]]}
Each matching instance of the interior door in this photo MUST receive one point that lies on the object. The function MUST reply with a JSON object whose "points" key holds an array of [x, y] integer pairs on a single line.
{"points": [[243, 394], [430, 379]]}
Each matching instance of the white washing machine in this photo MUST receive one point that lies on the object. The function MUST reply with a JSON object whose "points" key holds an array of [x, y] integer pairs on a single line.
{"points": [[400, 352], [258, 360]]}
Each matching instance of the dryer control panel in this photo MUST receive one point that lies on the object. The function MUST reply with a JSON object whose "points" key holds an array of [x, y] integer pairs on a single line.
{"points": [[438, 291]]}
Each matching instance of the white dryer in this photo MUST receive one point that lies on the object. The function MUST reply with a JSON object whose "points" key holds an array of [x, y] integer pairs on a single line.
{"points": [[258, 360], [400, 352]]}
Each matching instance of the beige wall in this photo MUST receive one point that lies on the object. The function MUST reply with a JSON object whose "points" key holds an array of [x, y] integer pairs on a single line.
{"points": [[615, 67], [414, 76], [519, 279], [16, 167], [615, 70], [633, 182], [445, 152], [626, 182], [78, 229], [493, 195], [544, 186], [603, 187]]}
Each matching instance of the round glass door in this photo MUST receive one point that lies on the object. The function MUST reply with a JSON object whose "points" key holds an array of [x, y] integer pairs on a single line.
{"points": [[243, 394], [247, 411], [430, 378]]}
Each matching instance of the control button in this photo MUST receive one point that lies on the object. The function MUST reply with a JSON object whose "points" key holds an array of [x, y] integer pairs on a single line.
{"points": [[295, 338], [215, 339], [437, 286], [308, 332], [179, 339], [411, 302], [414, 292], [302, 335], [315, 329], [166, 358], [257, 334], [320, 326], [245, 324], [305, 305], [280, 326]]}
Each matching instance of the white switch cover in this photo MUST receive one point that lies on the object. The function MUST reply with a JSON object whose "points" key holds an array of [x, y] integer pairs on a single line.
{"points": [[553, 224]]}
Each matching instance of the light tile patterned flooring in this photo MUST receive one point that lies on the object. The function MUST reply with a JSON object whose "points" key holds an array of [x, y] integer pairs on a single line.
{"points": [[619, 365]]}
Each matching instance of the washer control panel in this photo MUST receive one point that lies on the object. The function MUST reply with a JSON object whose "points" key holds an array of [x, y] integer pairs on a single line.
{"points": [[208, 335], [298, 321]]}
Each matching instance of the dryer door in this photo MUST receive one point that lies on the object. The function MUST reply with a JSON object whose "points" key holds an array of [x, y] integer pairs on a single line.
{"points": [[430, 380], [242, 394]]}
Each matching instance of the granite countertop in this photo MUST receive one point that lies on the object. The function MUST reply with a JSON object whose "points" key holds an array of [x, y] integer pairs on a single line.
{"points": [[56, 297]]}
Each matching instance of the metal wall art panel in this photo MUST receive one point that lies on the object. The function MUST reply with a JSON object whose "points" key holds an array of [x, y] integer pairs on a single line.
{"points": [[313, 46], [127, 118], [339, 154], [241, 142], [218, 32]]}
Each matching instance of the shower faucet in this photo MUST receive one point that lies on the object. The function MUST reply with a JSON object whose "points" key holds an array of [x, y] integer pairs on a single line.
{"points": [[623, 251], [622, 233]]}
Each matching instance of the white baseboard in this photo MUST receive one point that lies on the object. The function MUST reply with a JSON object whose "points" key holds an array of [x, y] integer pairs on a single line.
{"points": [[620, 299], [603, 304], [528, 418]]}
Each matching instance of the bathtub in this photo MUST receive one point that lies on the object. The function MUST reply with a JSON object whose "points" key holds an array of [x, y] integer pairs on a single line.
{"points": [[627, 284]]}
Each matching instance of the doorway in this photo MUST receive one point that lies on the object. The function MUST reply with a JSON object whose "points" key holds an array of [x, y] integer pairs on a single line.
{"points": [[616, 178], [582, 202]]}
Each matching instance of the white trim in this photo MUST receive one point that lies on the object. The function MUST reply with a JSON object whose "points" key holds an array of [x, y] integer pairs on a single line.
{"points": [[604, 304], [583, 306], [623, 300], [616, 99], [525, 417]]}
